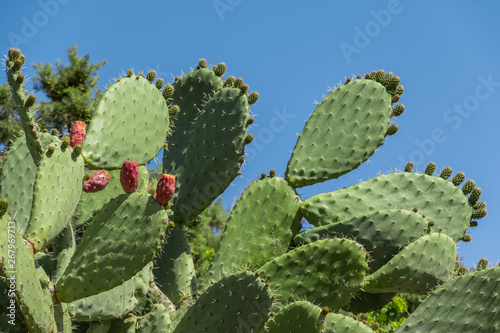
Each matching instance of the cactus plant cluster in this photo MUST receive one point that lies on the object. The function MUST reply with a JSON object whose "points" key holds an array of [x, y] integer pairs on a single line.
{"points": [[89, 243]]}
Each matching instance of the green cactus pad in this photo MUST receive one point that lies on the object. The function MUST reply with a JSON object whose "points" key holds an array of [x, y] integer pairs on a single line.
{"points": [[382, 233], [236, 303], [174, 268], [123, 237], [418, 268], [469, 303], [63, 250], [338, 323], [156, 321], [327, 272], [213, 155], [91, 202], [433, 196], [192, 91], [116, 302], [260, 228], [343, 131], [129, 124], [56, 195], [17, 179], [62, 318], [299, 317], [18, 267]]}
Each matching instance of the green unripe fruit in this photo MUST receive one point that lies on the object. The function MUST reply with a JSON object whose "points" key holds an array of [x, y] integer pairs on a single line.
{"points": [[458, 179], [482, 264], [30, 101], [387, 78], [130, 73], [400, 90], [398, 110], [248, 139], [65, 141], [479, 213], [409, 167], [168, 91], [375, 326], [431, 167], [4, 206], [462, 270], [54, 131], [137, 77], [20, 79], [159, 83], [368, 76], [431, 223], [446, 173], [151, 75], [18, 64], [379, 76], [263, 175], [393, 83], [238, 82], [14, 54], [325, 310], [395, 98], [393, 129], [244, 88], [202, 63], [468, 186], [467, 238], [50, 150], [474, 195], [174, 110], [479, 204], [272, 173], [473, 224], [229, 81], [220, 69], [359, 77], [77, 150], [250, 121], [253, 97]]}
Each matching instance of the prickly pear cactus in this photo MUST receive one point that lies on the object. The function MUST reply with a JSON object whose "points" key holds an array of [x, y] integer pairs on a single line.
{"points": [[100, 246]]}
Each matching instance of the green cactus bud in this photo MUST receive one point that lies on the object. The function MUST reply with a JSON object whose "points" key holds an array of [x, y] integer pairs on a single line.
{"points": [[30, 101], [474, 195], [263, 176], [395, 98], [238, 82], [431, 167], [130, 73], [50, 150], [398, 110], [250, 121], [77, 150], [272, 173], [431, 223], [220, 69], [170, 225], [479, 204], [137, 77], [177, 78], [229, 81], [446, 173], [202, 63], [347, 80], [462, 270], [368, 76], [479, 213], [409, 167], [458, 179], [248, 139], [387, 79], [482, 264], [393, 129], [159, 83], [393, 83], [4, 206], [375, 326], [54, 132], [168, 91], [244, 88], [20, 79], [473, 224], [379, 76], [400, 90], [14, 54], [415, 209], [151, 75], [325, 310], [467, 238], [468, 186], [65, 141], [173, 110], [253, 97], [358, 77], [18, 64]]}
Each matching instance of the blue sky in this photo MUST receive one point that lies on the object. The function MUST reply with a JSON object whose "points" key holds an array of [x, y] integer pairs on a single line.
{"points": [[291, 52]]}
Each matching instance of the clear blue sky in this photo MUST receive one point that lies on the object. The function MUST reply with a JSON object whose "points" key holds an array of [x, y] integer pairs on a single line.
{"points": [[447, 55]]}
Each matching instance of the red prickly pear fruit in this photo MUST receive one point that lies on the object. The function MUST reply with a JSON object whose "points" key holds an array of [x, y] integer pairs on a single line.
{"points": [[165, 189], [97, 182], [77, 134], [129, 176]]}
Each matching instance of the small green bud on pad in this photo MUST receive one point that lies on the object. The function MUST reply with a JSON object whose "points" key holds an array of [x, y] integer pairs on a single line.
{"points": [[4, 206], [30, 101]]}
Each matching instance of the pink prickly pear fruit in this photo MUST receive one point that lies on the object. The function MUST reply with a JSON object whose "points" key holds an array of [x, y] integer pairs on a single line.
{"points": [[97, 182], [129, 176], [77, 134], [165, 189]]}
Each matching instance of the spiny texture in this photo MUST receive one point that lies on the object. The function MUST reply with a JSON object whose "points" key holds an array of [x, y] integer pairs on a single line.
{"points": [[77, 133], [97, 182], [129, 176], [300, 316], [343, 132], [165, 189]]}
